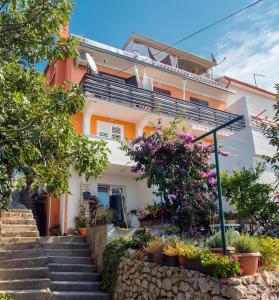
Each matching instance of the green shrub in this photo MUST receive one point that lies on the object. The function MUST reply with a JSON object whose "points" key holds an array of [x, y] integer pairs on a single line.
{"points": [[269, 249], [113, 252], [4, 296], [245, 244], [227, 267], [224, 266], [215, 241]]}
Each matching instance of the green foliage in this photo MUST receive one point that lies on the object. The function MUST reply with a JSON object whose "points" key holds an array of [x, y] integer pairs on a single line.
{"points": [[252, 198], [272, 133], [269, 249], [4, 296], [226, 267], [113, 252], [215, 241], [245, 244], [37, 140]]}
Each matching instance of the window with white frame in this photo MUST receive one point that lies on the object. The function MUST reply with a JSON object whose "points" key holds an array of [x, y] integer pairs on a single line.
{"points": [[110, 130]]}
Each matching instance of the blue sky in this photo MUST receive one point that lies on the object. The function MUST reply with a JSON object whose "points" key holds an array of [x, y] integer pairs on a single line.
{"points": [[250, 40]]}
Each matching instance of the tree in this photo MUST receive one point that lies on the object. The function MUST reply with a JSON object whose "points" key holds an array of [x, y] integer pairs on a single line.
{"points": [[37, 140], [180, 169], [252, 199], [272, 133]]}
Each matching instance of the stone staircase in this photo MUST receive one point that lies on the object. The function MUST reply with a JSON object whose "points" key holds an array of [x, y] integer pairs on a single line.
{"points": [[24, 273], [72, 272]]}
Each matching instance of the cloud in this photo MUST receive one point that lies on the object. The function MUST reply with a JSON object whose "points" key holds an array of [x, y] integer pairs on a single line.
{"points": [[251, 47]]}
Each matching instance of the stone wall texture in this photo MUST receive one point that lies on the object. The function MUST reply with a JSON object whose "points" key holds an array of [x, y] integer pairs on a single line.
{"points": [[144, 280]]}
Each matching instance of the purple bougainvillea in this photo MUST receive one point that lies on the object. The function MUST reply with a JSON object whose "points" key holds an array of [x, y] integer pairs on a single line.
{"points": [[180, 169]]}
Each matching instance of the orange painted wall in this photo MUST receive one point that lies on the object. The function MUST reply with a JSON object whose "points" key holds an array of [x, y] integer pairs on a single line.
{"points": [[77, 121], [55, 212], [129, 128], [148, 130]]}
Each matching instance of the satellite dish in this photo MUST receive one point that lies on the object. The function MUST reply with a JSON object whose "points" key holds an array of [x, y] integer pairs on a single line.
{"points": [[92, 65], [213, 59]]}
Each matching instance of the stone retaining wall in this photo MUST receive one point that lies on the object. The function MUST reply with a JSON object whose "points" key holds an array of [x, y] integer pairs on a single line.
{"points": [[144, 280]]}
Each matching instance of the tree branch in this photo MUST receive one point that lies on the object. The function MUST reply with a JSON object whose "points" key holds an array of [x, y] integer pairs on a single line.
{"points": [[24, 23]]}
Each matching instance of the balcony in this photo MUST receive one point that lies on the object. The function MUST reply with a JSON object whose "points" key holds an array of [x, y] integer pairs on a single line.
{"points": [[153, 102]]}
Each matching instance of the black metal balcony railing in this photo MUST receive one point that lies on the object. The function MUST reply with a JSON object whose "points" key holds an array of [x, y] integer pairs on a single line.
{"points": [[129, 95]]}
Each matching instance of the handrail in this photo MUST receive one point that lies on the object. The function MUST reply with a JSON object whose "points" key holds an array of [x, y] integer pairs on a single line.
{"points": [[141, 99]]}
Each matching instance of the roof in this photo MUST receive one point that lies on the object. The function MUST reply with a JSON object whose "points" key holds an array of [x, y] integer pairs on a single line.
{"points": [[178, 52], [230, 79], [88, 43]]}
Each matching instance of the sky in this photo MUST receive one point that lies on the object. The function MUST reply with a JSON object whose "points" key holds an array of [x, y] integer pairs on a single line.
{"points": [[249, 41]]}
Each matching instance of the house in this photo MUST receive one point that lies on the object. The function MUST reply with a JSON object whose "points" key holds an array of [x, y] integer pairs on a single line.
{"points": [[122, 102], [247, 146]]}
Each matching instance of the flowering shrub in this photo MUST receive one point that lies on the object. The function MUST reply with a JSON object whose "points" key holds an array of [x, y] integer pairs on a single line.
{"points": [[181, 170]]}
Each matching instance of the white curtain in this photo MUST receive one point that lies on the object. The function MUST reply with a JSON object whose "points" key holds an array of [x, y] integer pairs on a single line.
{"points": [[138, 77], [174, 61], [147, 82]]}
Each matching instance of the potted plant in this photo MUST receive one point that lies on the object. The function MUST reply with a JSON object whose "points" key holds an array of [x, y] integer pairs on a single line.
{"points": [[185, 252], [170, 256], [247, 253], [154, 249], [215, 245], [81, 221], [231, 217]]}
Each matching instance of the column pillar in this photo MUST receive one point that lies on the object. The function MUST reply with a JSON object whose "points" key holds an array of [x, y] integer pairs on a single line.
{"points": [[87, 113], [140, 126]]}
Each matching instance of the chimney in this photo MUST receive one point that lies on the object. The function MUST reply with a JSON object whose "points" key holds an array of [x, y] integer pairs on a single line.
{"points": [[64, 30]]}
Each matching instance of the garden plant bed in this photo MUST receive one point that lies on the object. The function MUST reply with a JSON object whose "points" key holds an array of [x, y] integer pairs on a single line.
{"points": [[137, 278]]}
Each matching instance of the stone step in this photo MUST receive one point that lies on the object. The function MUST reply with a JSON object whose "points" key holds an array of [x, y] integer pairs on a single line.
{"points": [[71, 267], [76, 286], [18, 239], [64, 239], [24, 262], [70, 260], [43, 294], [25, 284], [23, 273], [25, 253], [13, 234], [12, 221], [65, 246], [18, 228], [68, 252], [20, 246], [74, 276], [16, 215], [80, 296]]}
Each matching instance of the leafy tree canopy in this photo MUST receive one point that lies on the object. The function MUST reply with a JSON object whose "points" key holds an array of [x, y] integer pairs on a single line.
{"points": [[272, 133], [37, 140], [252, 199]]}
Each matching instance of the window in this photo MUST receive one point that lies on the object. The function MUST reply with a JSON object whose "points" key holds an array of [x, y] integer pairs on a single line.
{"points": [[162, 91], [110, 130], [199, 101]]}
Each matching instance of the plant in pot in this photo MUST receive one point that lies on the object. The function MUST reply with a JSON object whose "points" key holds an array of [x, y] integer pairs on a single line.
{"points": [[215, 245], [231, 217], [154, 249], [247, 252], [81, 221], [170, 255], [185, 252]]}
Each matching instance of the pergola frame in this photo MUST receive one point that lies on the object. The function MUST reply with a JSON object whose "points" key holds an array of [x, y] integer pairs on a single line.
{"points": [[217, 166]]}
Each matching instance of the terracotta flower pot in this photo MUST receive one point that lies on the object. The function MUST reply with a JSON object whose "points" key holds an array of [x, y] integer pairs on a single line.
{"points": [[182, 260], [141, 255], [230, 250], [249, 262], [83, 231]]}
